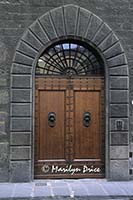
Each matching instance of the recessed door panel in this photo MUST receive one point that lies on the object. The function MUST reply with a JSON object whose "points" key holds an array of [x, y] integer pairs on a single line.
{"points": [[52, 125], [87, 136]]}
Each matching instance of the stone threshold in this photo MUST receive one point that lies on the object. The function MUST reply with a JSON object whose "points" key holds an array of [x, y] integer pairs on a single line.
{"points": [[68, 189]]}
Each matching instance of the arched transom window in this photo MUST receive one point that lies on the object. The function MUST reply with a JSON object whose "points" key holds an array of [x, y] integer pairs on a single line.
{"points": [[69, 57]]}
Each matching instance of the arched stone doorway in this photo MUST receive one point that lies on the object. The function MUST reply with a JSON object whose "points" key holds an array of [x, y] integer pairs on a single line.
{"points": [[70, 20], [69, 111]]}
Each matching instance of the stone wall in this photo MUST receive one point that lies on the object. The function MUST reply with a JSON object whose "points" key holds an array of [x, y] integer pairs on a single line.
{"points": [[15, 17]]}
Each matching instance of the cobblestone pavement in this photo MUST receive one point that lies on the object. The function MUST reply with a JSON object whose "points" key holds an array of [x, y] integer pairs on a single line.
{"points": [[90, 189]]}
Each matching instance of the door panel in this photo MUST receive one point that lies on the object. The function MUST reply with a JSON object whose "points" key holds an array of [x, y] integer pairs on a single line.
{"points": [[51, 138], [87, 139]]}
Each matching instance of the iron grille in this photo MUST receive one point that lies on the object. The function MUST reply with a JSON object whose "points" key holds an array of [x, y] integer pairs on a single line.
{"points": [[69, 58]]}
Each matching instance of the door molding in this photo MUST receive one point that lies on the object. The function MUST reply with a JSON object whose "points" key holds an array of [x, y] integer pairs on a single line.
{"points": [[65, 21]]}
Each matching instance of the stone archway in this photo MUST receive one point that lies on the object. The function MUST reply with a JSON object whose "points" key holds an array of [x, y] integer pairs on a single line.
{"points": [[64, 21]]}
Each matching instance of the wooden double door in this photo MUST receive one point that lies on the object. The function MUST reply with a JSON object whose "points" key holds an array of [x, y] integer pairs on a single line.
{"points": [[69, 127]]}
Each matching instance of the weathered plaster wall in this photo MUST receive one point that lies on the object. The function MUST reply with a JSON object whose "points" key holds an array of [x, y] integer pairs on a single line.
{"points": [[16, 16]]}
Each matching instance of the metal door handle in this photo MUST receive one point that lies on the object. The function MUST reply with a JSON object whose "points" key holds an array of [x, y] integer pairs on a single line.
{"points": [[51, 119], [86, 119]]}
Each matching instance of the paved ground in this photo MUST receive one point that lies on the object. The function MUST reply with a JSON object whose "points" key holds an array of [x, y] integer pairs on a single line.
{"points": [[90, 189]]}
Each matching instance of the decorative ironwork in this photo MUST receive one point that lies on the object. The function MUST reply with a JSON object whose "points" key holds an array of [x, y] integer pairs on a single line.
{"points": [[86, 119], [51, 119], [69, 58]]}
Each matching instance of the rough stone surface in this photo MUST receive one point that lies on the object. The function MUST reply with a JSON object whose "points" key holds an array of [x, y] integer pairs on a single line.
{"points": [[70, 13], [20, 153], [84, 18], [20, 124], [118, 169], [40, 32], [113, 124], [24, 47], [119, 82], [117, 60], [119, 71], [21, 96], [20, 138], [119, 138], [21, 110], [4, 97], [47, 25], [57, 17], [119, 152], [23, 59], [21, 82], [21, 69], [32, 41], [119, 110], [4, 162], [17, 167], [16, 16], [119, 96]]}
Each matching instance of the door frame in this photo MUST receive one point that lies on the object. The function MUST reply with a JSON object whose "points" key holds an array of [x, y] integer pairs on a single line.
{"points": [[29, 49], [106, 101]]}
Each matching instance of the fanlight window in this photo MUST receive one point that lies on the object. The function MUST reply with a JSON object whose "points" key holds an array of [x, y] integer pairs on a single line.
{"points": [[69, 58]]}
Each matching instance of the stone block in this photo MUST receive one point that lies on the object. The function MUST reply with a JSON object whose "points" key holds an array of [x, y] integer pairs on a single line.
{"points": [[119, 96], [21, 95], [3, 134], [84, 17], [3, 116], [4, 165], [37, 28], [119, 170], [108, 42], [113, 125], [23, 59], [94, 25], [20, 138], [2, 126], [70, 15], [48, 26], [131, 147], [119, 152], [21, 81], [130, 163], [119, 82], [3, 82], [119, 138], [20, 171], [120, 70], [20, 153], [27, 49], [31, 39], [4, 151], [102, 33], [117, 60], [119, 110], [57, 17], [4, 97], [21, 69], [21, 110], [4, 174], [113, 51], [20, 124]]}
